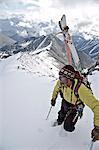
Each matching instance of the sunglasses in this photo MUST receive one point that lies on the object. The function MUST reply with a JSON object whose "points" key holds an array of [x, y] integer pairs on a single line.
{"points": [[66, 73]]}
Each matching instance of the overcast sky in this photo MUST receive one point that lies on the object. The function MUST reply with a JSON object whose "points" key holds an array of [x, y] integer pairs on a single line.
{"points": [[49, 9]]}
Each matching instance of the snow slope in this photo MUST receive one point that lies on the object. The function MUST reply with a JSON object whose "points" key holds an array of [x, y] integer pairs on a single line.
{"points": [[5, 40], [24, 105]]}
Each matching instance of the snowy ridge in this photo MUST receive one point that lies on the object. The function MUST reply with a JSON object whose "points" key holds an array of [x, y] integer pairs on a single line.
{"points": [[25, 102], [14, 27], [39, 64], [25, 44], [38, 50], [89, 46], [26, 84]]}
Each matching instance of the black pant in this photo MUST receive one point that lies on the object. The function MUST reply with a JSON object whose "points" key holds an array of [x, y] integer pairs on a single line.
{"points": [[67, 115]]}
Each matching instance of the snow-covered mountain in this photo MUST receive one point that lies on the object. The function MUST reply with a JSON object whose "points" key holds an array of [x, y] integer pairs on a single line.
{"points": [[24, 28], [88, 46], [56, 49], [39, 44], [26, 82], [31, 36], [5, 40], [24, 104]]}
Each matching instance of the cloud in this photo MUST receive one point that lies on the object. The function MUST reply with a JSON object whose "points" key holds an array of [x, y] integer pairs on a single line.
{"points": [[68, 3], [55, 3], [18, 5], [84, 23], [7, 1], [19, 2], [48, 9]]}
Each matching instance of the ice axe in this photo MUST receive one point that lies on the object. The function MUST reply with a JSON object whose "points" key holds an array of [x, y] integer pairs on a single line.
{"points": [[49, 112], [91, 145], [92, 142]]}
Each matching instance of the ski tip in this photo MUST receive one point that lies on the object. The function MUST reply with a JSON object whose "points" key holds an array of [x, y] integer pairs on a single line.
{"points": [[63, 16]]}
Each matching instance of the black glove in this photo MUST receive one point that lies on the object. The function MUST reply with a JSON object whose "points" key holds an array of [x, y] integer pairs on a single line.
{"points": [[95, 134], [53, 102], [79, 109]]}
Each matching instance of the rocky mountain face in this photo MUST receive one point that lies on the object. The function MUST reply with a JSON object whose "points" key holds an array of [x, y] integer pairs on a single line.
{"points": [[35, 38]]}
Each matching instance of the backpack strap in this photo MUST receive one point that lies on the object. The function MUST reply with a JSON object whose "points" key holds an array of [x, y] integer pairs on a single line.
{"points": [[79, 81]]}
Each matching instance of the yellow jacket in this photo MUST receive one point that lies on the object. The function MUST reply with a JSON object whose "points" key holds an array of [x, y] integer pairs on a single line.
{"points": [[85, 96]]}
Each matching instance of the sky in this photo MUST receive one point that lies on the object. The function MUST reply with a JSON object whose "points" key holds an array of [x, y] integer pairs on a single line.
{"points": [[24, 105], [80, 15], [48, 9]]}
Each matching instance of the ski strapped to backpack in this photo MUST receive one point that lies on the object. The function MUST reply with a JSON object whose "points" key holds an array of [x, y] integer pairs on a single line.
{"points": [[67, 38], [71, 52]]}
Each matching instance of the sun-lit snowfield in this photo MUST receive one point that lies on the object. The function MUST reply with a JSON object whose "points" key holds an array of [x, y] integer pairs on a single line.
{"points": [[24, 105]]}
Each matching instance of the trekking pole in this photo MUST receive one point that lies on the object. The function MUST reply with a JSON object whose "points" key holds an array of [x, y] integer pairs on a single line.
{"points": [[49, 112], [91, 146], [77, 115]]}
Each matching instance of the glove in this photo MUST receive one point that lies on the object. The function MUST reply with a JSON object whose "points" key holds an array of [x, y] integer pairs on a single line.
{"points": [[53, 102], [95, 134], [79, 109]]}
